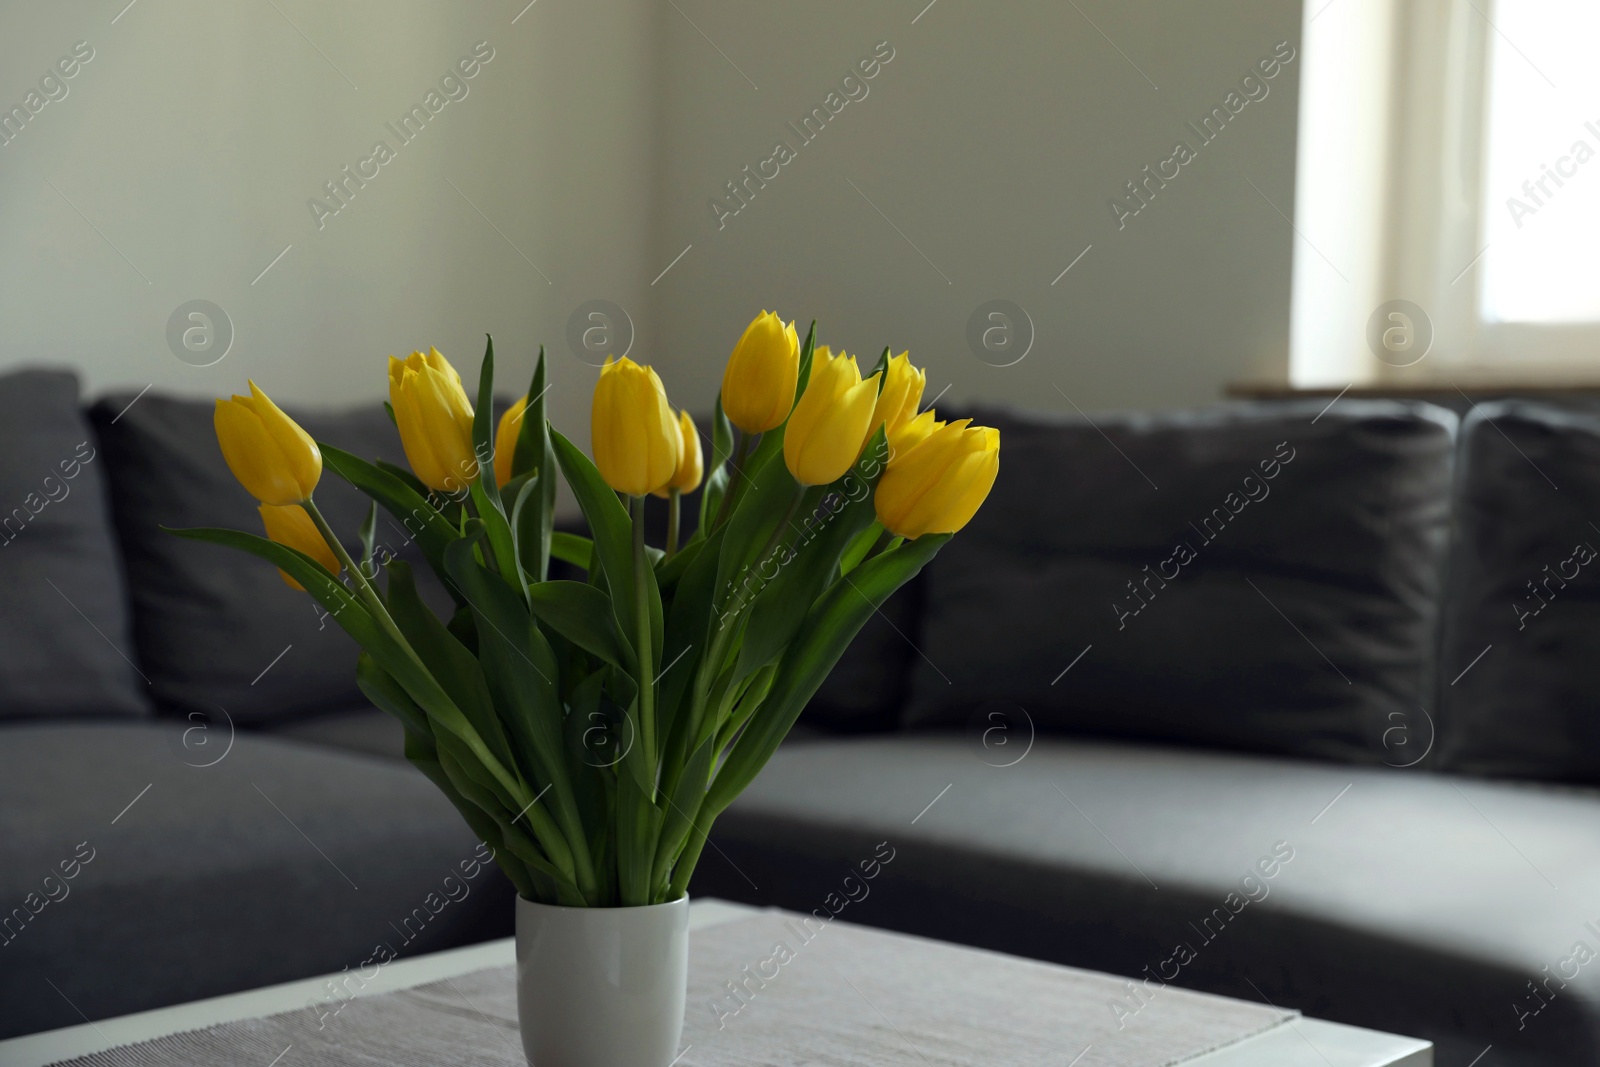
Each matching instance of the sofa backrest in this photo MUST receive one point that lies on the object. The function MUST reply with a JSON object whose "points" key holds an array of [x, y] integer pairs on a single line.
{"points": [[1519, 692], [1260, 576], [67, 645]]}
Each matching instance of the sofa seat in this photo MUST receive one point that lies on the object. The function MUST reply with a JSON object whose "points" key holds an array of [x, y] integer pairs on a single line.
{"points": [[1412, 902], [365, 730], [281, 860]]}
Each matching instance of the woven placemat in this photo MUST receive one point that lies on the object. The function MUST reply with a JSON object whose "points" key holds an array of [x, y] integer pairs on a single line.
{"points": [[771, 991]]}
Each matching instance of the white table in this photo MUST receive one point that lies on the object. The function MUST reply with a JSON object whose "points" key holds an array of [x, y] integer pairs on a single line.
{"points": [[1304, 1043]]}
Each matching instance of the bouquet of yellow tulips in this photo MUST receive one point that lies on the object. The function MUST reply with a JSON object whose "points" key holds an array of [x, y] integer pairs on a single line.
{"points": [[823, 494]]}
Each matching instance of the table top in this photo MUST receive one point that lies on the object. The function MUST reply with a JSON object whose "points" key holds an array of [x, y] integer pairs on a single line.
{"points": [[1300, 1043]]}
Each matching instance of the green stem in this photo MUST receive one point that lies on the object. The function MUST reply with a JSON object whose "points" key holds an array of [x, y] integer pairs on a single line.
{"points": [[779, 530], [699, 831], [741, 446], [674, 506], [381, 613], [363, 587], [646, 660]]}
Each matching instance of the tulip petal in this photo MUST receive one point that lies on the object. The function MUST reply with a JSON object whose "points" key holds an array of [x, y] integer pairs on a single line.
{"points": [[253, 455], [939, 484], [758, 384], [298, 448], [292, 526]]}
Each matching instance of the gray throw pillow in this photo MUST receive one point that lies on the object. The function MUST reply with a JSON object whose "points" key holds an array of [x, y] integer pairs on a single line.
{"points": [[1249, 576], [67, 648]]}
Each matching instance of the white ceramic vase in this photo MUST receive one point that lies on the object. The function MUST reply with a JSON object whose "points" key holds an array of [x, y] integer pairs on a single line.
{"points": [[602, 987]]}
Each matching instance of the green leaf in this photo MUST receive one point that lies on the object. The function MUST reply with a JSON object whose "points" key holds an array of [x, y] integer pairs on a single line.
{"points": [[534, 455], [572, 548], [860, 547], [613, 542], [389, 653], [485, 489], [760, 685], [585, 731], [526, 523], [668, 571], [688, 627], [342, 604], [529, 702], [514, 645], [752, 529], [422, 521], [420, 751], [483, 430], [829, 628], [405, 476], [390, 696], [461, 772], [638, 824], [498, 530], [450, 662], [369, 536], [716, 483], [582, 614], [682, 807], [807, 354], [810, 559]]}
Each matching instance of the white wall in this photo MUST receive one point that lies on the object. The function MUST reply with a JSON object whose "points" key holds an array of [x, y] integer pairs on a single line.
{"points": [[594, 140], [993, 141], [198, 132]]}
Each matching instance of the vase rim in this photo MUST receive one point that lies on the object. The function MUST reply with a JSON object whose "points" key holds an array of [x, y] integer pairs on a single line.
{"points": [[680, 902]]}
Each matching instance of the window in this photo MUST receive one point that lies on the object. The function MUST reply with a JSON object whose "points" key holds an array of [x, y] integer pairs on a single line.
{"points": [[1449, 158], [1541, 202]]}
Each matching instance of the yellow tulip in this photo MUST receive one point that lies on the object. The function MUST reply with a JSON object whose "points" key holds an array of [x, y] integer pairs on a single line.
{"points": [[829, 425], [908, 435], [505, 440], [290, 525], [938, 485], [691, 467], [435, 420], [902, 392], [635, 439], [759, 382], [267, 451]]}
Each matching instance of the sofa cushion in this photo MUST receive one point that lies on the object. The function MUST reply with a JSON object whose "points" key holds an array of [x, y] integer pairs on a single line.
{"points": [[68, 647], [1252, 576], [1522, 631], [216, 627], [137, 875], [1406, 901]]}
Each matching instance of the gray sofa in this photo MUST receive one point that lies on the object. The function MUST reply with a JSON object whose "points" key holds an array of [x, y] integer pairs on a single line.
{"points": [[1257, 699]]}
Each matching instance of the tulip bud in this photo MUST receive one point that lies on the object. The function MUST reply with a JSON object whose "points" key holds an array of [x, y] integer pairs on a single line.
{"points": [[938, 485], [633, 435], [290, 525], [902, 392], [686, 479], [435, 420], [759, 382], [829, 425], [267, 451], [505, 440]]}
